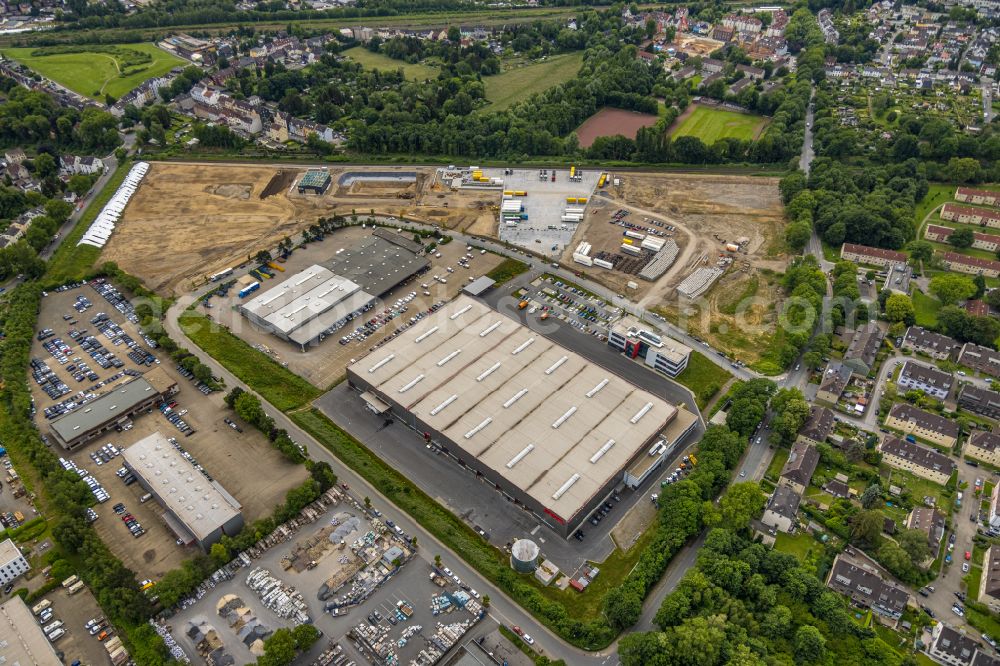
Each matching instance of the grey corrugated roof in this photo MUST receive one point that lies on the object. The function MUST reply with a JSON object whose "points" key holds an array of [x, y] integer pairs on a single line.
{"points": [[107, 407]]}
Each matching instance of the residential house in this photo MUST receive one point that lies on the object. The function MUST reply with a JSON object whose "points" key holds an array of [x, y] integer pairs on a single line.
{"points": [[755, 73], [766, 533], [721, 33], [989, 583], [817, 427], [861, 353], [980, 401], [741, 23], [983, 446], [974, 196], [858, 577], [146, 92], [963, 263], [71, 164], [14, 156], [711, 66], [920, 460], [970, 215], [980, 241], [977, 308], [925, 425], [951, 647], [289, 128], [931, 381], [738, 86], [835, 379], [782, 509], [980, 358], [837, 488], [876, 256], [799, 467], [933, 344], [994, 511], [930, 521]]}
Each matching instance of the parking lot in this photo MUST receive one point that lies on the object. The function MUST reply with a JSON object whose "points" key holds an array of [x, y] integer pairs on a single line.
{"points": [[74, 611], [548, 297], [219, 448], [544, 231], [324, 364]]}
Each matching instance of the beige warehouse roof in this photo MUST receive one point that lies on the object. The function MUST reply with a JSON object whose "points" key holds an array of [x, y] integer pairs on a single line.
{"points": [[201, 505], [538, 414]]}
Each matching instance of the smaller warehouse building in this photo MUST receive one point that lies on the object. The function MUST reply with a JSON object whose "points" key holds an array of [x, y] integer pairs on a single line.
{"points": [[196, 509], [315, 181], [310, 305], [22, 640], [306, 306], [117, 406]]}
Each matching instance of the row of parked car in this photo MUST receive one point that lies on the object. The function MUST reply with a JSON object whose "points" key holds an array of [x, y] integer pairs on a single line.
{"points": [[51, 626], [105, 454], [131, 522], [48, 380], [198, 384], [378, 321], [167, 409], [115, 298]]}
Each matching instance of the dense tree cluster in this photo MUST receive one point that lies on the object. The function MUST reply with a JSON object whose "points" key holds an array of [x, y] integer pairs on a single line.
{"points": [[744, 603], [33, 118], [250, 409]]}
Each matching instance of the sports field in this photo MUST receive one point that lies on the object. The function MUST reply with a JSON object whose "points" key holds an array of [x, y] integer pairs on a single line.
{"points": [[371, 60], [108, 69], [511, 86], [710, 125]]}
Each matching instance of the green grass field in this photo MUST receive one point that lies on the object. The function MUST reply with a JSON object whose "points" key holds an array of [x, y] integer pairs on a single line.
{"points": [[925, 308], [710, 125], [703, 377], [370, 60], [95, 74], [507, 88]]}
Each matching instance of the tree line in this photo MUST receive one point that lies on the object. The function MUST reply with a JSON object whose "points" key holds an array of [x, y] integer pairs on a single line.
{"points": [[746, 604]]}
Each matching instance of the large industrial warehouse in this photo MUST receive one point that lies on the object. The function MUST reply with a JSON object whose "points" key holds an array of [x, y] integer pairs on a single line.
{"points": [[197, 510], [552, 431], [306, 306]]}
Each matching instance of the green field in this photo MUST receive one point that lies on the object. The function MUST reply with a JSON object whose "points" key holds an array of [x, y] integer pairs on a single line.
{"points": [[509, 87], [703, 377], [96, 73], [925, 308], [370, 60], [710, 125]]}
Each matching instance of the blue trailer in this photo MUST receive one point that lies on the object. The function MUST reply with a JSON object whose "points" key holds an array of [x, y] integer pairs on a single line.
{"points": [[249, 289]]}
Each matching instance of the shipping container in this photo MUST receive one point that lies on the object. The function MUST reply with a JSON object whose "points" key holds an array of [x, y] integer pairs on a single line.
{"points": [[633, 234], [520, 193], [602, 180], [631, 249], [570, 218], [249, 289], [603, 264], [583, 259]]}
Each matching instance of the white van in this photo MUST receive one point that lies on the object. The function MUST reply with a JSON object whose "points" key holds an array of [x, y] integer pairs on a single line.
{"points": [[56, 635]]}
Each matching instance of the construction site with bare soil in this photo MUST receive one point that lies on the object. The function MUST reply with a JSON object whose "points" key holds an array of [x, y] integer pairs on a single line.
{"points": [[701, 249], [189, 220]]}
